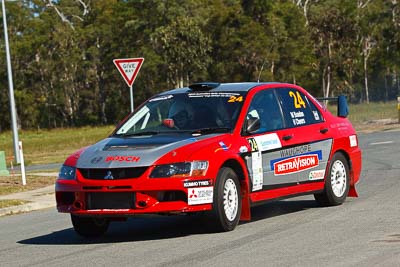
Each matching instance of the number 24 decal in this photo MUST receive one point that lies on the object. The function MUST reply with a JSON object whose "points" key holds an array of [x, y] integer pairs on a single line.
{"points": [[233, 99], [297, 100]]}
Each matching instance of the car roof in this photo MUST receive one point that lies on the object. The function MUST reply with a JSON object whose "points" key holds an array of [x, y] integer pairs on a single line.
{"points": [[222, 87]]}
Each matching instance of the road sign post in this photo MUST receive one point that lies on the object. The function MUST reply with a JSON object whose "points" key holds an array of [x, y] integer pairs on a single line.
{"points": [[21, 154], [129, 68], [131, 93]]}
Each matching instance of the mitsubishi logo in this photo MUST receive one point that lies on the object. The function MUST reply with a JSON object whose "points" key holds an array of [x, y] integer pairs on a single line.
{"points": [[109, 176], [193, 195]]}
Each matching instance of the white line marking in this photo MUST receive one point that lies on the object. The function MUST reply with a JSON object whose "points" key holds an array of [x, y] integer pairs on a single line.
{"points": [[381, 143]]}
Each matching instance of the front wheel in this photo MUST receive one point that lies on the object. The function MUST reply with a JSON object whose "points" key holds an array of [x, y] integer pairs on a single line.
{"points": [[89, 226], [227, 200], [337, 182]]}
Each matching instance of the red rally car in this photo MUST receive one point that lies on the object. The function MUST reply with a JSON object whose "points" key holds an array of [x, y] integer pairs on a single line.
{"points": [[213, 148]]}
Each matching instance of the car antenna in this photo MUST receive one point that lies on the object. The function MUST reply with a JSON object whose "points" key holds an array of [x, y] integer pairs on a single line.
{"points": [[259, 75]]}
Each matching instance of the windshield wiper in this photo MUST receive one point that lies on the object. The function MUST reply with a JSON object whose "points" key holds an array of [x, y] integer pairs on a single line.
{"points": [[211, 130]]}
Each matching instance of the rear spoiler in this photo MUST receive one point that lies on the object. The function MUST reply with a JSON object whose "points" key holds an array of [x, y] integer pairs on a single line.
{"points": [[342, 107]]}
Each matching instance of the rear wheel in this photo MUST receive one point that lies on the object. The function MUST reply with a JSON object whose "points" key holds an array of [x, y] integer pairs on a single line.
{"points": [[89, 226], [227, 200], [337, 182]]}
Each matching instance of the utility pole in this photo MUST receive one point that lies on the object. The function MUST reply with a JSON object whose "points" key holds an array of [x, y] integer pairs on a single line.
{"points": [[13, 111]]}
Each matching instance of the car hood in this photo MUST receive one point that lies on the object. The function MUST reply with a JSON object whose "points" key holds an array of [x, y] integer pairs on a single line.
{"points": [[117, 152]]}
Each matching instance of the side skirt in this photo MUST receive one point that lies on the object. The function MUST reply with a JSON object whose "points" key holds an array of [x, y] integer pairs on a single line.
{"points": [[286, 192]]}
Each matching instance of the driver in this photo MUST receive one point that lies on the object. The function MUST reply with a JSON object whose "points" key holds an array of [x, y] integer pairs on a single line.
{"points": [[181, 113]]}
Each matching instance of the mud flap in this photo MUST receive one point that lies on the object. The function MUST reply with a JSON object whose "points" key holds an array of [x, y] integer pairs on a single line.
{"points": [[352, 191], [246, 213]]}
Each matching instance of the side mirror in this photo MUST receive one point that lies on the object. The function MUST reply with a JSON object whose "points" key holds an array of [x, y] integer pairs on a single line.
{"points": [[343, 108], [252, 125]]}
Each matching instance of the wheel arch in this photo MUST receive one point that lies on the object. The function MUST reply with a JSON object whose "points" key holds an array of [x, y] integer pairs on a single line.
{"points": [[241, 171], [352, 191]]}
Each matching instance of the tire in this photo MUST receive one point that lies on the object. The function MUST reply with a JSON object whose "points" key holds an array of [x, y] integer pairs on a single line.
{"points": [[337, 182], [227, 200], [89, 226]]}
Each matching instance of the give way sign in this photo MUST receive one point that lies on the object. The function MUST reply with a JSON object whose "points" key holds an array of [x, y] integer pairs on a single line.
{"points": [[129, 68]]}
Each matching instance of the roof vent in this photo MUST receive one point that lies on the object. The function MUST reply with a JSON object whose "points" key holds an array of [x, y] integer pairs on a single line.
{"points": [[203, 86]]}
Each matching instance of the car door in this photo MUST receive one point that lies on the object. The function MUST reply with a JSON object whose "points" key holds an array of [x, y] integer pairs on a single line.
{"points": [[291, 144], [306, 140], [265, 143]]}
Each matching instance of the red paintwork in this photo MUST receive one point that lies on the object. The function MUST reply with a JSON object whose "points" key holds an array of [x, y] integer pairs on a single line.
{"points": [[209, 149]]}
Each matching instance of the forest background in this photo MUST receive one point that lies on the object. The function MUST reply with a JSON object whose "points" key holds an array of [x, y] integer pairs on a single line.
{"points": [[62, 51]]}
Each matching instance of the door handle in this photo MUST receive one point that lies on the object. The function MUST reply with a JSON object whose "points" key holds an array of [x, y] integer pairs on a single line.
{"points": [[287, 137], [323, 130]]}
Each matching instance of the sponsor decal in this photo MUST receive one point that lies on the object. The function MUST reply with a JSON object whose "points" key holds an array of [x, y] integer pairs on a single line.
{"points": [[297, 117], [316, 175], [161, 98], [243, 149], [198, 183], [353, 140], [96, 160], [200, 195], [214, 94], [222, 147], [316, 115], [296, 114], [268, 141], [290, 152], [123, 158], [253, 144], [256, 164], [296, 164]]}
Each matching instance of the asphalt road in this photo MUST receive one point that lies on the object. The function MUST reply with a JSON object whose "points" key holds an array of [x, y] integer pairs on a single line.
{"points": [[364, 231]]}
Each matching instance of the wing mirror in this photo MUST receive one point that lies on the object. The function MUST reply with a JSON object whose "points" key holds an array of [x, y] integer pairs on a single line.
{"points": [[252, 125], [343, 108]]}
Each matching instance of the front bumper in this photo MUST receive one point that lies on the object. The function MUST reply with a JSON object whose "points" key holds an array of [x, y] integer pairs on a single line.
{"points": [[128, 197]]}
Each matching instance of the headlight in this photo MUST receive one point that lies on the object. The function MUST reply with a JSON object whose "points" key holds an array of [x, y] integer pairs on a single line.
{"points": [[182, 169], [67, 173]]}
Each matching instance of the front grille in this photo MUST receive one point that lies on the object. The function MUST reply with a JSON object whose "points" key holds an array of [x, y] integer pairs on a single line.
{"points": [[114, 200], [113, 174]]}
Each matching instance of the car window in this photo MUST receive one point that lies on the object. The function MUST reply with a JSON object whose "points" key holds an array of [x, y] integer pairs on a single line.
{"points": [[298, 110], [185, 112], [265, 107]]}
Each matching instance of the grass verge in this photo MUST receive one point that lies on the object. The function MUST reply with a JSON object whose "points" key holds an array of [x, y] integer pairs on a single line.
{"points": [[11, 202], [375, 116], [52, 146], [13, 184]]}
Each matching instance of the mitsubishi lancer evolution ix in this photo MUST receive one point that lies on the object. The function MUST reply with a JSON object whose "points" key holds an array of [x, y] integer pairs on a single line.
{"points": [[213, 148]]}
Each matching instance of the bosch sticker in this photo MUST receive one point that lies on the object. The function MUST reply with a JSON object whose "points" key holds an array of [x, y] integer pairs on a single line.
{"points": [[123, 158]]}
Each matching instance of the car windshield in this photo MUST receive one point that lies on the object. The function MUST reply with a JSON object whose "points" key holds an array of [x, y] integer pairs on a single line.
{"points": [[197, 112]]}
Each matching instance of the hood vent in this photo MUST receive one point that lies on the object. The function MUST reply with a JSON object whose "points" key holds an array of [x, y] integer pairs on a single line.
{"points": [[124, 147]]}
